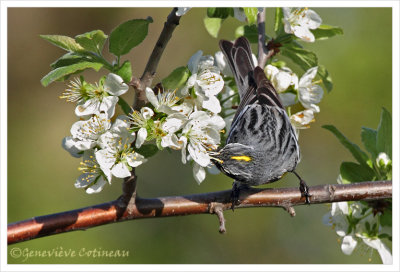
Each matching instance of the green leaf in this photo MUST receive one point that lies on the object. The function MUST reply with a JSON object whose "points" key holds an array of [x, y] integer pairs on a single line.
{"points": [[128, 35], [64, 42], [302, 57], [176, 79], [326, 78], [213, 25], [125, 71], [251, 14], [124, 106], [354, 172], [67, 70], [249, 31], [326, 31], [278, 26], [92, 41], [68, 59], [368, 137], [148, 150], [222, 13], [384, 133], [386, 217], [355, 150]]}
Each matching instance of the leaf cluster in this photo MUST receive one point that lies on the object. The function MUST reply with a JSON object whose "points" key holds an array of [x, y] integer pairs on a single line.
{"points": [[84, 51]]}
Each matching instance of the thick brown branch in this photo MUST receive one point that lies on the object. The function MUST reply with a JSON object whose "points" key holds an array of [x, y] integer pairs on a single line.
{"points": [[111, 212]]}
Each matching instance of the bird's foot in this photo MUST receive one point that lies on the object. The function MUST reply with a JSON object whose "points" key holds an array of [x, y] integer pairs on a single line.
{"points": [[304, 190]]}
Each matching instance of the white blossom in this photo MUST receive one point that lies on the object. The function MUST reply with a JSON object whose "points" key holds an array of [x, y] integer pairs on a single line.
{"points": [[93, 178], [310, 93], [200, 134], [356, 222], [88, 131], [299, 21], [140, 119], [167, 102], [93, 99], [206, 81], [117, 154], [383, 160], [169, 127], [302, 119], [281, 79], [337, 218]]}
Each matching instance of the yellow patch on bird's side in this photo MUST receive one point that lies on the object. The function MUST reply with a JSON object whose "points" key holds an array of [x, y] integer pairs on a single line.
{"points": [[241, 158]]}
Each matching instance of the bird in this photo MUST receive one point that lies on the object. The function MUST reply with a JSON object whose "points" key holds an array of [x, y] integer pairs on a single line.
{"points": [[261, 145]]}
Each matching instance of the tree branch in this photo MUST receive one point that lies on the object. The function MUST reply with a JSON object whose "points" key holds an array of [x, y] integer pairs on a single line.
{"points": [[214, 202], [127, 200], [149, 72], [262, 50]]}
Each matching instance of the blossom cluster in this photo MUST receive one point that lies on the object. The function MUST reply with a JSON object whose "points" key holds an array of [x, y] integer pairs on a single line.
{"points": [[104, 145], [292, 90], [357, 222], [186, 119]]}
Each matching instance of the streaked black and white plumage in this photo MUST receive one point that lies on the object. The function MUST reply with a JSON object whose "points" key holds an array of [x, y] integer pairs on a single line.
{"points": [[262, 144]]}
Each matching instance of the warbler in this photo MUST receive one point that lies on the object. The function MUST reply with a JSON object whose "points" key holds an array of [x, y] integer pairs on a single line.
{"points": [[261, 145]]}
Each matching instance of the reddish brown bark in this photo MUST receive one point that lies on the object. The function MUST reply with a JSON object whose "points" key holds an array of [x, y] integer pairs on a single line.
{"points": [[111, 212]]}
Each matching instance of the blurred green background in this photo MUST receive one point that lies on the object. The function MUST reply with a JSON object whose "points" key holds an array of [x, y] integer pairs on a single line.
{"points": [[41, 174]]}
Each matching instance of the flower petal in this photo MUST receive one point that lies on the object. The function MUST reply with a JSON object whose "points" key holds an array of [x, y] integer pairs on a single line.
{"points": [[199, 154], [307, 78], [348, 244], [199, 173], [152, 97], [174, 122], [97, 187], [287, 99], [84, 180], [383, 250], [141, 137], [120, 170], [304, 34], [210, 83], [69, 144], [221, 62], [146, 112], [171, 141], [108, 105], [105, 158], [91, 106], [194, 62], [135, 159], [115, 85], [212, 104], [183, 142], [313, 20]]}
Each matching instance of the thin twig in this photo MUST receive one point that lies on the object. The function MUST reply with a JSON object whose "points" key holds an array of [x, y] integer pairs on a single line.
{"points": [[149, 72], [262, 50], [111, 212], [218, 209]]}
